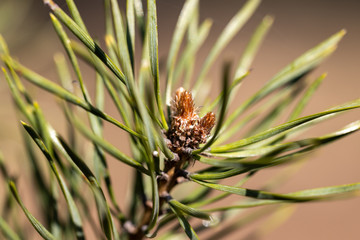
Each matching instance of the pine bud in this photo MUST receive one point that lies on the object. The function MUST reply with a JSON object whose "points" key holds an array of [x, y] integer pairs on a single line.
{"points": [[187, 130]]}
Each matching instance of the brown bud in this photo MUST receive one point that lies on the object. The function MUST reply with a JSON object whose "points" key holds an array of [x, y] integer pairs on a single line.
{"points": [[183, 104], [187, 129], [207, 122]]}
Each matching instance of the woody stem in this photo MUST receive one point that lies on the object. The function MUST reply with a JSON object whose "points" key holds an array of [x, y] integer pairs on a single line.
{"points": [[166, 182]]}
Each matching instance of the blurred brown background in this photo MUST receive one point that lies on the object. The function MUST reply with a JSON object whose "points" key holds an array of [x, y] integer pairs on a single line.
{"points": [[299, 25]]}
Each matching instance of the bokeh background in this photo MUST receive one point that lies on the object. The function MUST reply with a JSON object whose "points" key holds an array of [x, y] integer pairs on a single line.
{"points": [[299, 25]]}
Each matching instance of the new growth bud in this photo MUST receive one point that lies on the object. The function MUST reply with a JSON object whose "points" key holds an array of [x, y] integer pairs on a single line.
{"points": [[187, 130]]}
